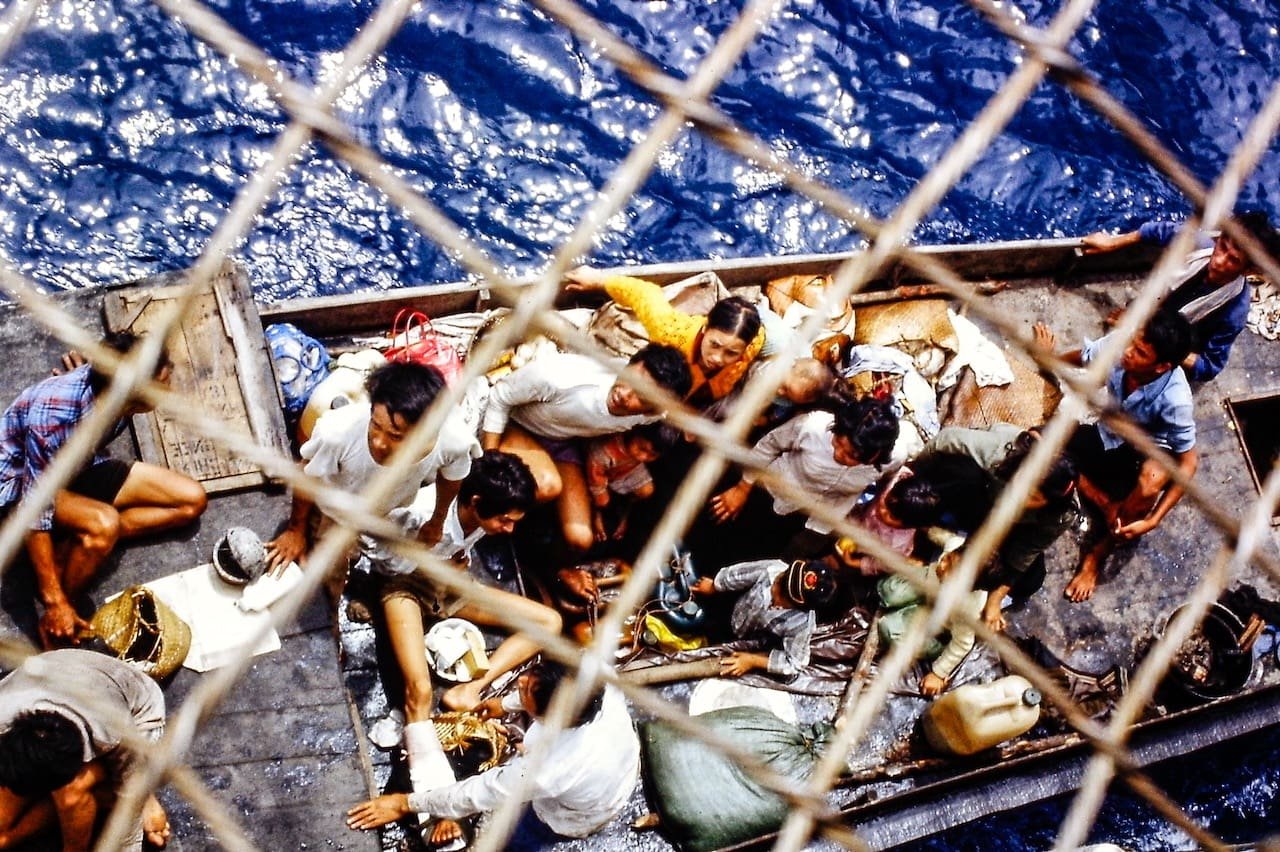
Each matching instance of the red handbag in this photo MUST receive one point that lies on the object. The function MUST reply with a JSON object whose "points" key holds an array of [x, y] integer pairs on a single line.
{"points": [[414, 340]]}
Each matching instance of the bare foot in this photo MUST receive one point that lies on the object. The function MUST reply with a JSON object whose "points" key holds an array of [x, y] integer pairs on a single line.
{"points": [[155, 823], [464, 696], [1082, 584], [445, 831]]}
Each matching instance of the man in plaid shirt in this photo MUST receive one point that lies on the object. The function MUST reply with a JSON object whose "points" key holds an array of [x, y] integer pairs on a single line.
{"points": [[106, 501]]}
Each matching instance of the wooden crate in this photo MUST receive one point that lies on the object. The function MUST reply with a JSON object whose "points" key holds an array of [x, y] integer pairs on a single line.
{"points": [[221, 362]]}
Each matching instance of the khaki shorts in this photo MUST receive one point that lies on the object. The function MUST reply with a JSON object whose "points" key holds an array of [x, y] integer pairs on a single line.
{"points": [[434, 599]]}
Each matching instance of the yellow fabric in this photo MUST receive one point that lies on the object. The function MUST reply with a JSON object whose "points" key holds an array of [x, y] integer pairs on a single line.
{"points": [[673, 327]]}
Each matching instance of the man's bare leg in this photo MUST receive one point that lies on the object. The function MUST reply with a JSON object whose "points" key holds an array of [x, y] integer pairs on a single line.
{"points": [[155, 498], [406, 630], [524, 446], [1086, 578], [511, 653], [93, 528], [574, 507]]}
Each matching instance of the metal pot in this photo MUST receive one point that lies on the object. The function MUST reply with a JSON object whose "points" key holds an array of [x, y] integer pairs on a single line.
{"points": [[1210, 664]]}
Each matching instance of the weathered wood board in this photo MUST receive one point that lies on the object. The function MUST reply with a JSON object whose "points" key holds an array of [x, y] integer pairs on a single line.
{"points": [[221, 360]]}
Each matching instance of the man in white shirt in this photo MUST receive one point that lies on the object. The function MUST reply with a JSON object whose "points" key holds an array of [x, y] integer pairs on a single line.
{"points": [[582, 784], [542, 411], [492, 500], [349, 446]]}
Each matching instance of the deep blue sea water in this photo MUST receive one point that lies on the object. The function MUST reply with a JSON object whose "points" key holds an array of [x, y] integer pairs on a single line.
{"points": [[123, 140]]}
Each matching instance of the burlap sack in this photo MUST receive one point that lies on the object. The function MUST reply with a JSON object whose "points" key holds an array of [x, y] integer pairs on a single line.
{"points": [[909, 325], [1028, 401]]}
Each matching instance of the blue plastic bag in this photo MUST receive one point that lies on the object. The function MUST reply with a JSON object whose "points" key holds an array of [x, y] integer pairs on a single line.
{"points": [[300, 361]]}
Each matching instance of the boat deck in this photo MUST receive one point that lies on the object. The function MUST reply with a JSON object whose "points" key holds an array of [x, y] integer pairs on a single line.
{"points": [[286, 753]]}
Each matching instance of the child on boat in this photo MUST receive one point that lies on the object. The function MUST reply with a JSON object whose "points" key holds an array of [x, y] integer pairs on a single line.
{"points": [[778, 602], [618, 464], [902, 601]]}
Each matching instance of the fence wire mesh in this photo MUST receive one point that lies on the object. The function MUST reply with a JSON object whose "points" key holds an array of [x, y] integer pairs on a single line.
{"points": [[686, 105]]}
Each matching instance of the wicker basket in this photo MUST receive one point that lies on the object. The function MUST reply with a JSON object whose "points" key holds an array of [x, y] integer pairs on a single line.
{"points": [[142, 630]]}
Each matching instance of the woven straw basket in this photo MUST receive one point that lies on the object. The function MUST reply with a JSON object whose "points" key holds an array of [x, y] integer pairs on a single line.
{"points": [[459, 732], [143, 631]]}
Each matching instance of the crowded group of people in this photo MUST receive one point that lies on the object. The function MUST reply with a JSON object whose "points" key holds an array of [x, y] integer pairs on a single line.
{"points": [[572, 461]]}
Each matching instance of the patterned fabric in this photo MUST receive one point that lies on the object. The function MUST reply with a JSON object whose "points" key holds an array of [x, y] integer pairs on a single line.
{"points": [[36, 426], [754, 614], [675, 328], [610, 465]]}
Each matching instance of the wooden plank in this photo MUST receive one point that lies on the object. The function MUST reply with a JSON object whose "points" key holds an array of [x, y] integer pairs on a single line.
{"points": [[220, 359]]}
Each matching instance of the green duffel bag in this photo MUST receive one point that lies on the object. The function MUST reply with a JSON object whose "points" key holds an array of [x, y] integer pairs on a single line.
{"points": [[706, 800]]}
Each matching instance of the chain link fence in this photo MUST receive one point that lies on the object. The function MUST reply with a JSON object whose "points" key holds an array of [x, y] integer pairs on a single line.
{"points": [[687, 105]]}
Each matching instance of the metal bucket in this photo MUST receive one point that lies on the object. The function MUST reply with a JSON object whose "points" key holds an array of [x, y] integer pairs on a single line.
{"points": [[1210, 664]]}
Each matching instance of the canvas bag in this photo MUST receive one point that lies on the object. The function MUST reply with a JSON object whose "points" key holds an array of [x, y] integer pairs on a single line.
{"points": [[617, 329]]}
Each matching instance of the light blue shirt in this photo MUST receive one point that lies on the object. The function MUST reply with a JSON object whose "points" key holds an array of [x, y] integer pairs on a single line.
{"points": [[1162, 407]]}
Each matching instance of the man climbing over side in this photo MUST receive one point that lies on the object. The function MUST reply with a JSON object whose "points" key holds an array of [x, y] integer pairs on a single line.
{"points": [[1210, 290]]}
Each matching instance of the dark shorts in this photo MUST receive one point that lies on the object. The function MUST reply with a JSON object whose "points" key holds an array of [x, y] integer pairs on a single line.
{"points": [[562, 450], [101, 481], [1114, 471]]}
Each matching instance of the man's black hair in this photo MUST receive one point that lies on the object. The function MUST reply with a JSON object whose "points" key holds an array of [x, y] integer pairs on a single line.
{"points": [[405, 389], [1258, 224], [501, 482], [661, 436], [1169, 334], [869, 424], [736, 316], [667, 366], [122, 342], [548, 674], [964, 491], [40, 752]]}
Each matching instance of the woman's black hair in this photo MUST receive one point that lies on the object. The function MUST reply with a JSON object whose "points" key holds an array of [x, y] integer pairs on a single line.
{"points": [[547, 674], [869, 425], [405, 389], [40, 752], [735, 316], [964, 490], [915, 502], [501, 482]]}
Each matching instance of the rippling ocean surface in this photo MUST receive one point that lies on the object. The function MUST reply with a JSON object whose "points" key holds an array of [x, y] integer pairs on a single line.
{"points": [[124, 140]]}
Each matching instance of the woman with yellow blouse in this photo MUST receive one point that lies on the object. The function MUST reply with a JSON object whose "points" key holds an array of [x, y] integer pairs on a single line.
{"points": [[719, 346]]}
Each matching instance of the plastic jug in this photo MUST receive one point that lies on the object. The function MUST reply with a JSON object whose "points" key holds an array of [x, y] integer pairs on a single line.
{"points": [[979, 716]]}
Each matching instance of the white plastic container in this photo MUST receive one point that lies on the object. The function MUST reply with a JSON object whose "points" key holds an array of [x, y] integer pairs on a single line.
{"points": [[979, 716]]}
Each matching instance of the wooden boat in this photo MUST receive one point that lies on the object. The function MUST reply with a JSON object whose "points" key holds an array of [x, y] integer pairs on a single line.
{"points": [[1043, 279]]}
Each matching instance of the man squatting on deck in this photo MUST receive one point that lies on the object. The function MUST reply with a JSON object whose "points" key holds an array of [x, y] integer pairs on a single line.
{"points": [[67, 721], [108, 501]]}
